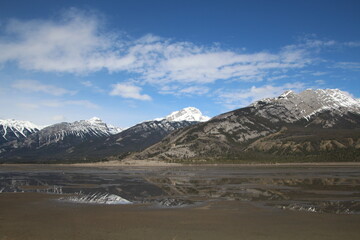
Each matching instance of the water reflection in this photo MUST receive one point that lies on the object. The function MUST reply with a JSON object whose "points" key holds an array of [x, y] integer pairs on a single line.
{"points": [[320, 189]]}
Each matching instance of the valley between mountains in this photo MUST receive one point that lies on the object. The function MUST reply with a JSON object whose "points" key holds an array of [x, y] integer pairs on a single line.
{"points": [[320, 125]]}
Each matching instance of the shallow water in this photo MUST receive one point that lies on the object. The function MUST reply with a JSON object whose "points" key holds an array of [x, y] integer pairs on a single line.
{"points": [[323, 189]]}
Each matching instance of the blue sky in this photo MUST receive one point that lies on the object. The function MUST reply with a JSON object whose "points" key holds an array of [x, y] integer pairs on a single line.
{"points": [[130, 61]]}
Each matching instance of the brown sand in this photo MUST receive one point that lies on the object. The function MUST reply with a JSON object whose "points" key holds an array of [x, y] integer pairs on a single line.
{"points": [[39, 216]]}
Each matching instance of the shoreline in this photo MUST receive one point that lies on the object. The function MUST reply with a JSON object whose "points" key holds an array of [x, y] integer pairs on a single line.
{"points": [[144, 163]]}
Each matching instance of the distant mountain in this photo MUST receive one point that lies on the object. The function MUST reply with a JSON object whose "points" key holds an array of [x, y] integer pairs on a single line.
{"points": [[313, 125], [133, 139], [190, 114], [91, 140], [81, 130], [11, 129], [52, 140]]}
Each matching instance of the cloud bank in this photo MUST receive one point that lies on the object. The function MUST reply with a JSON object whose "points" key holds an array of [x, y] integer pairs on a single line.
{"points": [[36, 86], [78, 43]]}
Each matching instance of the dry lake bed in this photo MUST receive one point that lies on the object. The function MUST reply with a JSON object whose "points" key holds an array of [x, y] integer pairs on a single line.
{"points": [[180, 202]]}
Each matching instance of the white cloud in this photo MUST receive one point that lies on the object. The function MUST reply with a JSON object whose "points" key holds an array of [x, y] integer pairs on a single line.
{"points": [[277, 77], [82, 103], [348, 65], [87, 83], [36, 86], [186, 91], [28, 105], [92, 86], [62, 103], [58, 104], [77, 43], [352, 44], [128, 90], [58, 118], [320, 82], [243, 97], [72, 44], [194, 90], [319, 73], [314, 42], [201, 66]]}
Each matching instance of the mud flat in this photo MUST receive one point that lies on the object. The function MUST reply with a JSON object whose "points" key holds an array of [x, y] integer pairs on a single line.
{"points": [[180, 202]]}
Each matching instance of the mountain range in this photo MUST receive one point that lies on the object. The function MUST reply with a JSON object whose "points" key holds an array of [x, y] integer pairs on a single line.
{"points": [[87, 140], [313, 125]]}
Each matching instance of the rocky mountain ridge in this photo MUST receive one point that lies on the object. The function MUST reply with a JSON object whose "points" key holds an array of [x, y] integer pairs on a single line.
{"points": [[312, 122], [307, 103]]}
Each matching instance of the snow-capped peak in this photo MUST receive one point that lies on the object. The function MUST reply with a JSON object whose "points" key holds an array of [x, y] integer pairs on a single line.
{"points": [[114, 130], [287, 94], [18, 124], [333, 98], [95, 120], [311, 101], [99, 125], [17, 127], [83, 129], [190, 114]]}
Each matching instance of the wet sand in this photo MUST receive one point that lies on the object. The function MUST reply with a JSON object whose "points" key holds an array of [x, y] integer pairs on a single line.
{"points": [[36, 216], [235, 203]]}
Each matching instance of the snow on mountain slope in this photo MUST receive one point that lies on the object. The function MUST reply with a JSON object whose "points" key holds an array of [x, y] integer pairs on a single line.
{"points": [[290, 106], [190, 114], [114, 130], [11, 129], [108, 129], [82, 129]]}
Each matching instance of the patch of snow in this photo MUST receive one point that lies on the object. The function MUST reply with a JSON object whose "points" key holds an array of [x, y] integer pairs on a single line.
{"points": [[114, 130], [190, 114], [97, 198], [93, 126], [18, 127], [309, 102], [286, 93]]}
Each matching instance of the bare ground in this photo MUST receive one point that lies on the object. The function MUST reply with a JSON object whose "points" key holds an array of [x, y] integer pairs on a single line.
{"points": [[37, 216]]}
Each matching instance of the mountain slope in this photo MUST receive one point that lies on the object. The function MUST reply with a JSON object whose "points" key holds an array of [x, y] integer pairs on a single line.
{"points": [[11, 129], [292, 124], [133, 139]]}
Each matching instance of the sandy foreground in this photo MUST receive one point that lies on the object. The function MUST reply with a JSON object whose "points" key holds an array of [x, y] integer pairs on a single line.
{"points": [[39, 216]]}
